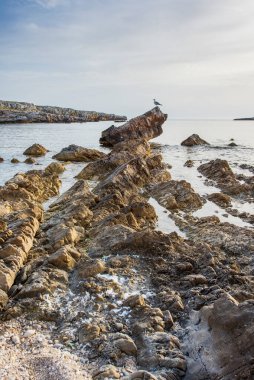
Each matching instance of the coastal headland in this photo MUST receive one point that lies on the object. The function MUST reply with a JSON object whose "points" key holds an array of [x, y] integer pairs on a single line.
{"points": [[21, 112]]}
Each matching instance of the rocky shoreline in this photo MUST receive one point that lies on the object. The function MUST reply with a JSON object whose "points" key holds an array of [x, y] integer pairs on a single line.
{"points": [[91, 289], [21, 112]]}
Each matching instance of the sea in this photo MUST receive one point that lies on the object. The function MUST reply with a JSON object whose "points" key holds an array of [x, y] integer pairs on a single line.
{"points": [[15, 138]]}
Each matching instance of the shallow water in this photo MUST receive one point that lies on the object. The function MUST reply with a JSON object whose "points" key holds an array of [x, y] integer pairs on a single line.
{"points": [[16, 138]]}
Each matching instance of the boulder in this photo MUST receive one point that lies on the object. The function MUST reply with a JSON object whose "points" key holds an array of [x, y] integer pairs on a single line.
{"points": [[176, 195], [194, 140], [55, 168], [105, 372], [35, 150], [1, 159], [146, 127], [220, 199], [217, 170], [221, 344], [76, 153], [65, 258]]}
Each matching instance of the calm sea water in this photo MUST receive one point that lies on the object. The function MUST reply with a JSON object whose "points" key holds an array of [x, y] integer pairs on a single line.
{"points": [[16, 138]]}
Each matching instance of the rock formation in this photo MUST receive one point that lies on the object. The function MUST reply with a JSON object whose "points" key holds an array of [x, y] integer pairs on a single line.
{"points": [[146, 127], [94, 284], [21, 112]]}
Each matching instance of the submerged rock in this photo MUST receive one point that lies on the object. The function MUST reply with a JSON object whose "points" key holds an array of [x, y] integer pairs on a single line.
{"points": [[15, 161], [77, 153], [30, 161], [194, 140], [35, 150], [146, 127]]}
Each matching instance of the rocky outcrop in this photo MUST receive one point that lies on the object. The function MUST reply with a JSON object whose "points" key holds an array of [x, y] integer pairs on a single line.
{"points": [[21, 213], [194, 140], [146, 127], [176, 195], [220, 172], [77, 153], [35, 150], [96, 276], [20, 112]]}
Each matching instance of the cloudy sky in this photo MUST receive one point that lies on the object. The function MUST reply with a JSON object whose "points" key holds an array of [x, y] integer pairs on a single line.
{"points": [[195, 56]]}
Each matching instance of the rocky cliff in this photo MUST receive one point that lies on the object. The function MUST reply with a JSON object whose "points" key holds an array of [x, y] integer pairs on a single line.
{"points": [[20, 112]]}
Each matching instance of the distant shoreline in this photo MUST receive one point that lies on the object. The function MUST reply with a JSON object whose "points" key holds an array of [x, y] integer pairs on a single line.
{"points": [[244, 118], [20, 112]]}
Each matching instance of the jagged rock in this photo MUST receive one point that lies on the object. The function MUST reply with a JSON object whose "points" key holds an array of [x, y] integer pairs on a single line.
{"points": [[77, 153], [194, 140], [121, 153], [65, 258], [35, 150], [30, 161], [218, 170], [147, 126], [61, 235], [14, 161], [176, 195], [222, 200]]}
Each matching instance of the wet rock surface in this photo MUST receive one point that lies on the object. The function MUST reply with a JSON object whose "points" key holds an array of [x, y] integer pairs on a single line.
{"points": [[92, 289]]}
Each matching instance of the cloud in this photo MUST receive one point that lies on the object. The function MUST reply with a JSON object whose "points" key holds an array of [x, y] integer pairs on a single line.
{"points": [[118, 53], [48, 4]]}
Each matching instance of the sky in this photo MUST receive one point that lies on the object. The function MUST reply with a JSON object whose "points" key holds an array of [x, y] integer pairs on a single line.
{"points": [[195, 56]]}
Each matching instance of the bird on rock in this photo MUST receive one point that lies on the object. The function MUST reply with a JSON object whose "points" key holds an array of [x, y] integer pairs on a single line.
{"points": [[156, 103]]}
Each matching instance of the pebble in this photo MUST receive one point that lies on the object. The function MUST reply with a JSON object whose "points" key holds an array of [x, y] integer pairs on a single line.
{"points": [[29, 333], [15, 339]]}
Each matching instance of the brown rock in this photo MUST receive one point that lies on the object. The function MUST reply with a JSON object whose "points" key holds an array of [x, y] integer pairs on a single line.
{"points": [[77, 153], [90, 268], [194, 140], [35, 150], [221, 199], [145, 127], [14, 161], [65, 258], [3, 299], [30, 161], [106, 372], [176, 195], [55, 168]]}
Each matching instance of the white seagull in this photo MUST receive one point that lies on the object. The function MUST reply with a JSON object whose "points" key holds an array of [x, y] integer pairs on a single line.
{"points": [[156, 103]]}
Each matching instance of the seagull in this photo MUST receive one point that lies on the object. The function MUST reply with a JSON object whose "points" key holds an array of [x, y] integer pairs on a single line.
{"points": [[156, 103]]}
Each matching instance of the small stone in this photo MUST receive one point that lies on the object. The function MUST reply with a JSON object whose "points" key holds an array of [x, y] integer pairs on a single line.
{"points": [[15, 339], [29, 333], [14, 161], [30, 161], [35, 150]]}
